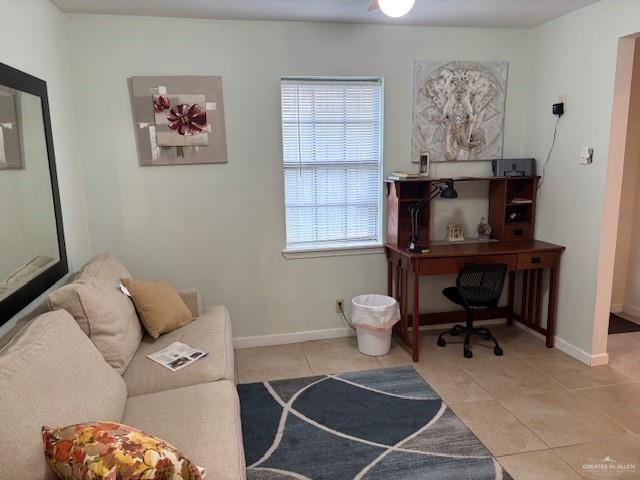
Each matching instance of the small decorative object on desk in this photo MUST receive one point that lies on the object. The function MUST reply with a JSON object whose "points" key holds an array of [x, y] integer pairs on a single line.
{"points": [[424, 164], [400, 175], [520, 201], [455, 232], [514, 217], [484, 229]]}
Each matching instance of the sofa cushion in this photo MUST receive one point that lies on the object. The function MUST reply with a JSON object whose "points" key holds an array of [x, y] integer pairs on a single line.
{"points": [[51, 374], [104, 267], [159, 306], [192, 300], [208, 432], [210, 332], [103, 312]]}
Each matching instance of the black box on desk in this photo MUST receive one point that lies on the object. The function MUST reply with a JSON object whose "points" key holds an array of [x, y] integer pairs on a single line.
{"points": [[514, 167]]}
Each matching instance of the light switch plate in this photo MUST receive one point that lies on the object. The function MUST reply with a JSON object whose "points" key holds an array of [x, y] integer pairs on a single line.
{"points": [[586, 156]]}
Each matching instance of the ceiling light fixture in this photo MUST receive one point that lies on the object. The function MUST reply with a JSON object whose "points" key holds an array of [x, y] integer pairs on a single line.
{"points": [[393, 8]]}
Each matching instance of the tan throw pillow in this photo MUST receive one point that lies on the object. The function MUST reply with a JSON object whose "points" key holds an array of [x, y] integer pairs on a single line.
{"points": [[159, 306]]}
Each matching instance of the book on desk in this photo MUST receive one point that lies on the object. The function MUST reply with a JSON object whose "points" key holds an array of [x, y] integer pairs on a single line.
{"points": [[512, 208]]}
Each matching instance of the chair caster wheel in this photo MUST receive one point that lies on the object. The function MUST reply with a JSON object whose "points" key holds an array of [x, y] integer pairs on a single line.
{"points": [[441, 342], [498, 351], [468, 354]]}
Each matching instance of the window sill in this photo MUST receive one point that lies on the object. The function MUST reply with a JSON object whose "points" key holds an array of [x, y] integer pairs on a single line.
{"points": [[318, 252]]}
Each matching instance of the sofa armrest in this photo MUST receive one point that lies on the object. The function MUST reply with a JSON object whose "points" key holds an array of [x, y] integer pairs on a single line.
{"points": [[191, 298]]}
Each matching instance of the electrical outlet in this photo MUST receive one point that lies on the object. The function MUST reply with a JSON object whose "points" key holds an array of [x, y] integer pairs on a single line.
{"points": [[339, 305]]}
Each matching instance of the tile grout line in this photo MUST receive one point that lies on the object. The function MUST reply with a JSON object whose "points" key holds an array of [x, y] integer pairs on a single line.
{"points": [[307, 360], [518, 420], [553, 381], [526, 427]]}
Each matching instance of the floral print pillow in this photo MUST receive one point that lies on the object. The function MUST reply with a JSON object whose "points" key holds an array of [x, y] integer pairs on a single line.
{"points": [[111, 451]]}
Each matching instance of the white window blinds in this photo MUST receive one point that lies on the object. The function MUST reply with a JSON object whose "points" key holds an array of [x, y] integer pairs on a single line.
{"points": [[332, 140]]}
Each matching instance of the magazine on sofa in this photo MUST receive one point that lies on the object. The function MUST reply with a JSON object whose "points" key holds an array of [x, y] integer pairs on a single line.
{"points": [[176, 356]]}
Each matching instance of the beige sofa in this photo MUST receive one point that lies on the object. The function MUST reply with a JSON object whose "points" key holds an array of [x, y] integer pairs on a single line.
{"points": [[51, 373]]}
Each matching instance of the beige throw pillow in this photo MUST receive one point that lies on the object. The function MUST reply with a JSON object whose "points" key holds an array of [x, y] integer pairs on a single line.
{"points": [[159, 306], [103, 312]]}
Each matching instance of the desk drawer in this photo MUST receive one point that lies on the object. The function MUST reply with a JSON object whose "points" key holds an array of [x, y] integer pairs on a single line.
{"points": [[452, 265], [531, 260], [518, 232]]}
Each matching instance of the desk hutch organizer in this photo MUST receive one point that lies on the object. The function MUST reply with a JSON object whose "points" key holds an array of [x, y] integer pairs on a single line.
{"points": [[512, 208], [402, 194]]}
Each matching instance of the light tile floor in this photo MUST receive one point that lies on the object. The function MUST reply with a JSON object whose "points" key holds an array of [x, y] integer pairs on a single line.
{"points": [[543, 414]]}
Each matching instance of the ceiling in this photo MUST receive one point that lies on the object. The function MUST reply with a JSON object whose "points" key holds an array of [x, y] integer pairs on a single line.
{"points": [[462, 13]]}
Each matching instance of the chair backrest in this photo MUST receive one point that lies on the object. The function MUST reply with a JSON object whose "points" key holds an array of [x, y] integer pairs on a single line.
{"points": [[481, 283]]}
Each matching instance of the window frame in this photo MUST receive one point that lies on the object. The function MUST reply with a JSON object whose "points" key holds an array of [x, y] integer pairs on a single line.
{"points": [[335, 248]]}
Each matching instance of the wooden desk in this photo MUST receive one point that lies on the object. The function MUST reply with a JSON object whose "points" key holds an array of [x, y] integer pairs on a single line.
{"points": [[531, 257]]}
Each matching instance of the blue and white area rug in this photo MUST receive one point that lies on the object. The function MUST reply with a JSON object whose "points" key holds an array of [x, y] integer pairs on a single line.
{"points": [[384, 424]]}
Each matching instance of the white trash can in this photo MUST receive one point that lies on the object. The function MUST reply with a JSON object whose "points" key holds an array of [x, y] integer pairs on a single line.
{"points": [[374, 316]]}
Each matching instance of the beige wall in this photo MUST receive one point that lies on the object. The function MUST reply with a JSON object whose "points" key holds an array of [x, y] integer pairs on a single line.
{"points": [[628, 240], [631, 300], [220, 228], [576, 55], [33, 39]]}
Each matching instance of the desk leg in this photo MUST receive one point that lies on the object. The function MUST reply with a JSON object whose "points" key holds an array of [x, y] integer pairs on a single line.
{"points": [[415, 333], [393, 294], [404, 313], [553, 304], [531, 295], [538, 315], [525, 291], [512, 294]]}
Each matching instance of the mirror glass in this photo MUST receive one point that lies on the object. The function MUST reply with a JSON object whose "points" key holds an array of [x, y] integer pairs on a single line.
{"points": [[28, 237]]}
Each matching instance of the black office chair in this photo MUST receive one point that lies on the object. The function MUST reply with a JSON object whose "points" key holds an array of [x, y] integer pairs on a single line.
{"points": [[477, 285]]}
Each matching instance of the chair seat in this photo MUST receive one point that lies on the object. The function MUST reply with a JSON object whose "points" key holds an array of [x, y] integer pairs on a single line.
{"points": [[453, 294]]}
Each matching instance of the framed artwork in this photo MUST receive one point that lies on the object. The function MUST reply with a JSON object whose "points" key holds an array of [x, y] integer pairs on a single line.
{"points": [[10, 148], [179, 120], [458, 110]]}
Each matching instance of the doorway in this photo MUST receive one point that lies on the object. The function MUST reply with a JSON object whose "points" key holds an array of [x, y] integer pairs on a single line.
{"points": [[622, 320]]}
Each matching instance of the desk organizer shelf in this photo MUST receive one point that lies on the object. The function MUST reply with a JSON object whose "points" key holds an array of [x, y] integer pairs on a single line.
{"points": [[512, 206]]}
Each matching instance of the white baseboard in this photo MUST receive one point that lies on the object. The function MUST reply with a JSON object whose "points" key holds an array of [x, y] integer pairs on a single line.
{"points": [[579, 354], [571, 350], [294, 337], [631, 310], [297, 337], [600, 359], [616, 308]]}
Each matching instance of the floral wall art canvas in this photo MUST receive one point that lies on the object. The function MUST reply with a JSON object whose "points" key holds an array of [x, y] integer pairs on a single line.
{"points": [[179, 120], [458, 110], [10, 149]]}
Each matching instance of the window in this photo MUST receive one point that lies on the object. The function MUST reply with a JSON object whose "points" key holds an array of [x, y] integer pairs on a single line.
{"points": [[332, 159]]}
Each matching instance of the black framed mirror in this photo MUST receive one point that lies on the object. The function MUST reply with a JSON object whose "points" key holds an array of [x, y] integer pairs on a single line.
{"points": [[32, 247]]}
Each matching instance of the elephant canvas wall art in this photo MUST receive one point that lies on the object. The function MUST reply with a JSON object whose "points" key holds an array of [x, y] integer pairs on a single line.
{"points": [[458, 110]]}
